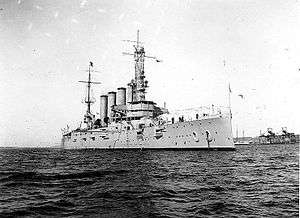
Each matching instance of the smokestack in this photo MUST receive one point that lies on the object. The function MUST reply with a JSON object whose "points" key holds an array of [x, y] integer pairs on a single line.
{"points": [[121, 96], [111, 102], [103, 107], [129, 93]]}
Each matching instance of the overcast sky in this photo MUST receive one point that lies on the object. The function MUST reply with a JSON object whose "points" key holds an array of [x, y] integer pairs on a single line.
{"points": [[46, 46]]}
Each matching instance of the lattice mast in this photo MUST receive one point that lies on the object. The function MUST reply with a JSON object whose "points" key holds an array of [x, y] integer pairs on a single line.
{"points": [[139, 84]]}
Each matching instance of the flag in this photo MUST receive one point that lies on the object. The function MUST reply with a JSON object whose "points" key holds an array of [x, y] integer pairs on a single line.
{"points": [[91, 64]]}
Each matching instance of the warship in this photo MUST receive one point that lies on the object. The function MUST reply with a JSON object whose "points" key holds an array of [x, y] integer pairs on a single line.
{"points": [[128, 121], [270, 137]]}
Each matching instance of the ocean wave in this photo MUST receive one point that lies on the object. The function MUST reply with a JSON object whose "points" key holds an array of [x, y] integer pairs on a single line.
{"points": [[33, 176], [250, 182]]}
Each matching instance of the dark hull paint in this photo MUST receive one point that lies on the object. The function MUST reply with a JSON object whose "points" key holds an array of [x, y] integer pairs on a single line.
{"points": [[160, 149]]}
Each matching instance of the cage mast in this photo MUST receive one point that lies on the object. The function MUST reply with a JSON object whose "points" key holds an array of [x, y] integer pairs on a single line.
{"points": [[139, 84]]}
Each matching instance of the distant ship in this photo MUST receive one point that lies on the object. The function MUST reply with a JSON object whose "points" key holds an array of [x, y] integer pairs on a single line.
{"points": [[129, 121], [283, 137], [243, 140]]}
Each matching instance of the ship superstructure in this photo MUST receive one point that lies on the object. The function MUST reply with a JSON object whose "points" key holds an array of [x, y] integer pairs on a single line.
{"points": [[282, 137], [129, 121]]}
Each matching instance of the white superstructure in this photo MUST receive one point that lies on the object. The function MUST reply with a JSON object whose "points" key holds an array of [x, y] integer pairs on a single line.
{"points": [[129, 121]]}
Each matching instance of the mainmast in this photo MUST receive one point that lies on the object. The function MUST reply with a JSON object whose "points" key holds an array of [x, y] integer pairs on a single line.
{"points": [[88, 117], [89, 91]]}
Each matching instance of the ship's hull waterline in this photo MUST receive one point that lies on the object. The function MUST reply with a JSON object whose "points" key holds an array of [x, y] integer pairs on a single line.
{"points": [[209, 133]]}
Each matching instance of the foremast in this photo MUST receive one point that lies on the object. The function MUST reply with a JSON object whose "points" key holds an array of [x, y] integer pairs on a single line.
{"points": [[139, 84]]}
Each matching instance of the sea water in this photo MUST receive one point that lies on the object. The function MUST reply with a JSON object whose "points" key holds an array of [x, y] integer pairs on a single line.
{"points": [[253, 180]]}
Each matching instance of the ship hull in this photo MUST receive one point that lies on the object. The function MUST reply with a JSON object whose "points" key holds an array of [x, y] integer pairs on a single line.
{"points": [[210, 133]]}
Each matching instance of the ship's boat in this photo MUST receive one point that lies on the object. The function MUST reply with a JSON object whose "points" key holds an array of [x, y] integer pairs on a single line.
{"points": [[128, 121]]}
